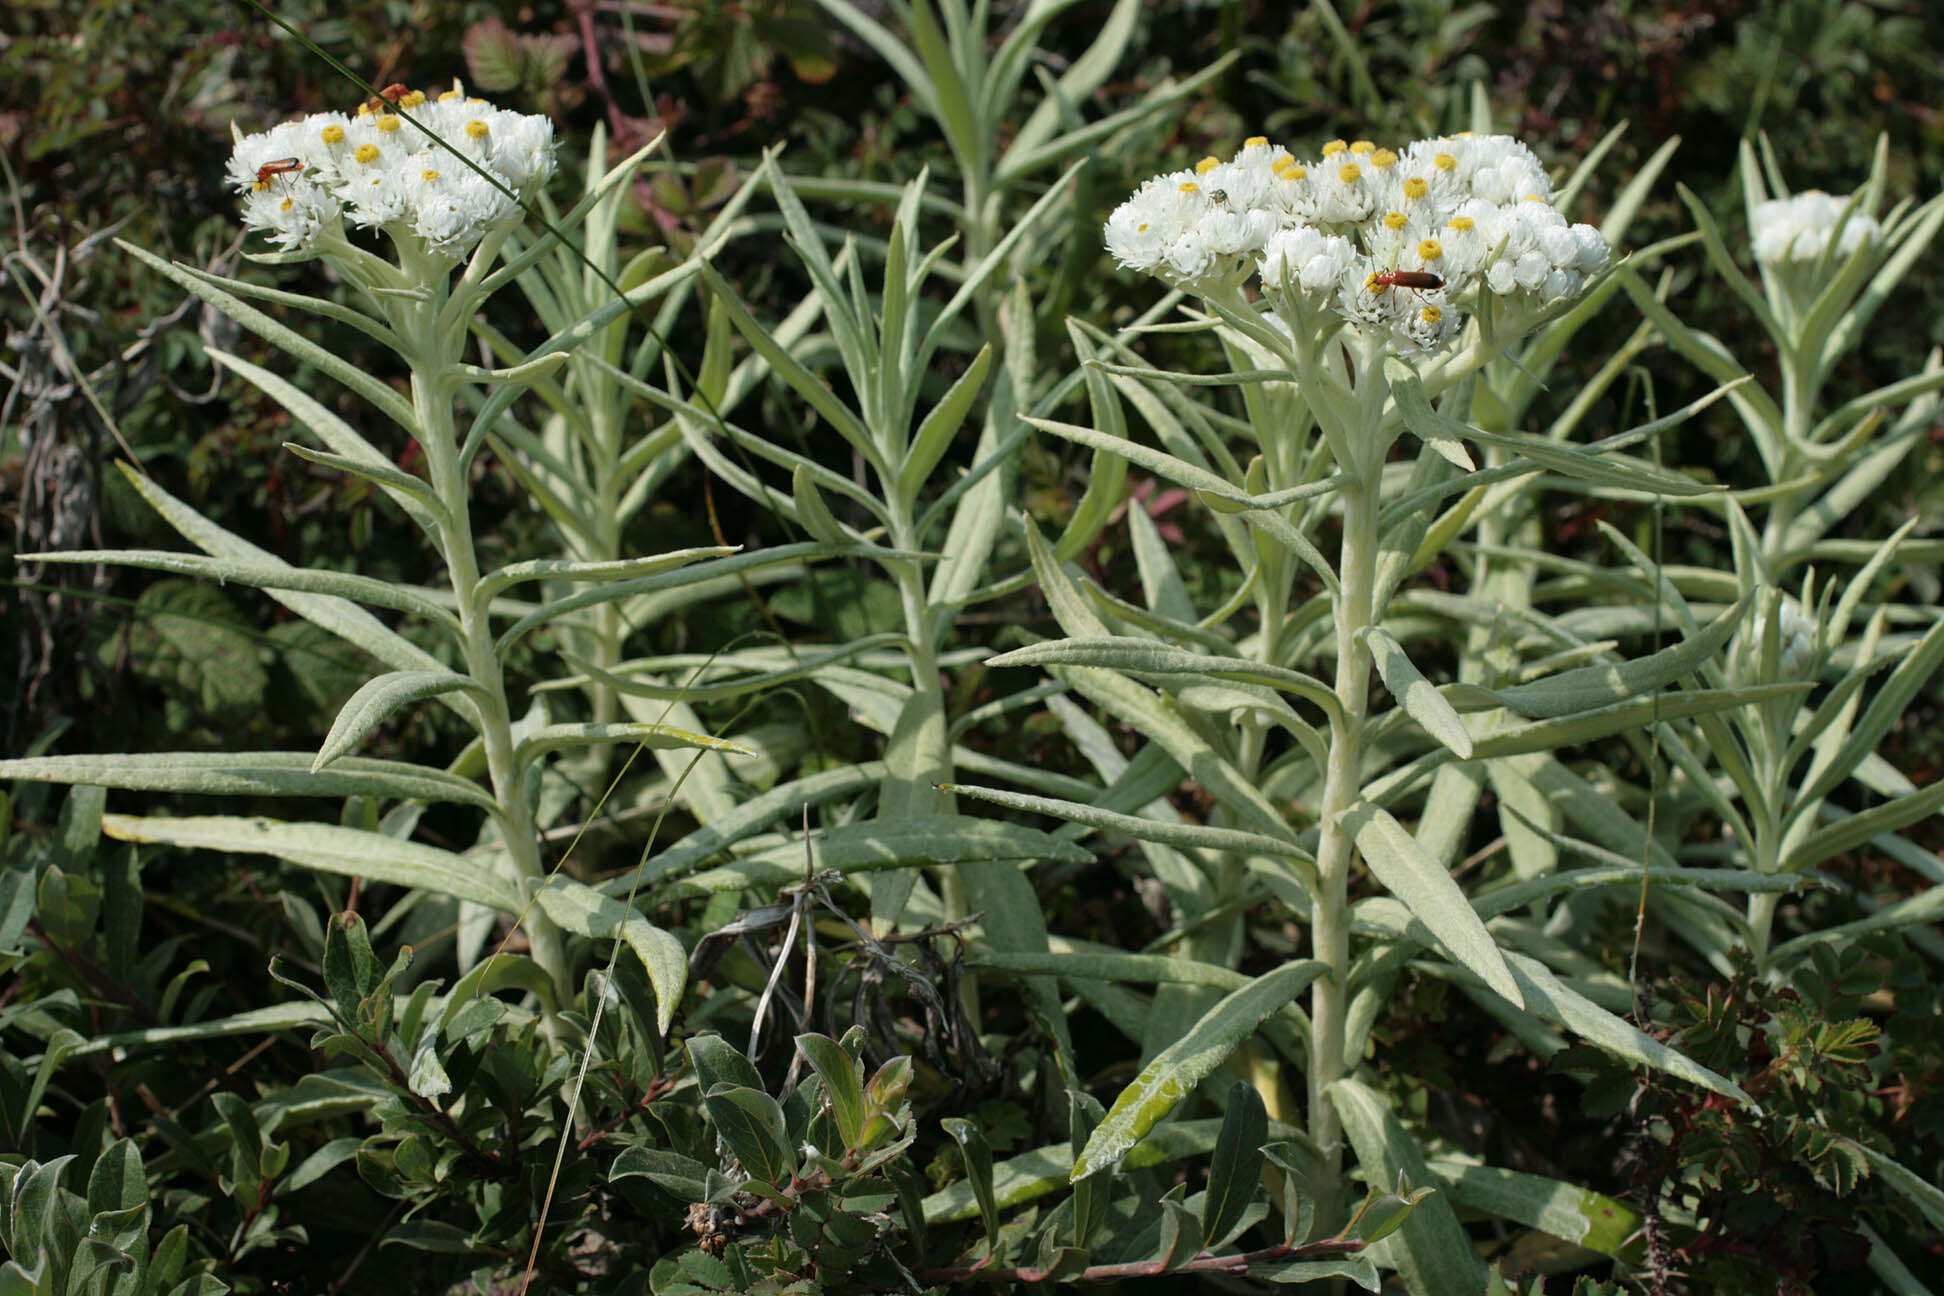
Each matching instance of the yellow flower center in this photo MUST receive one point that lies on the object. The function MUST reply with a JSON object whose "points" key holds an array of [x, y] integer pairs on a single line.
{"points": [[1463, 224], [476, 129], [1430, 314], [428, 175], [1206, 165], [1445, 162], [1255, 141], [412, 99], [1349, 173], [1363, 147], [332, 134], [366, 153], [387, 123], [1383, 159], [449, 95], [1396, 220], [1334, 147], [1294, 171], [1415, 188], [1430, 250], [288, 203], [1189, 186]]}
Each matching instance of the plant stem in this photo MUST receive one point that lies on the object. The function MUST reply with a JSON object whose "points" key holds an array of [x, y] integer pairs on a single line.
{"points": [[432, 398], [1329, 918]]}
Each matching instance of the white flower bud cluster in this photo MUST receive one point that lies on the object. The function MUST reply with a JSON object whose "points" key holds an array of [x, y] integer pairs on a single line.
{"points": [[1796, 638], [1394, 242], [1800, 227], [300, 178]]}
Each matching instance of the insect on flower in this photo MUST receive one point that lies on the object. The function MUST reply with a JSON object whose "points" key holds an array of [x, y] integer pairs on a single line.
{"points": [[388, 97], [280, 166], [1422, 280]]}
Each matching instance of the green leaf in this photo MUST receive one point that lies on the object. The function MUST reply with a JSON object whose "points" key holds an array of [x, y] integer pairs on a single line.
{"points": [[1358, 1269], [329, 849], [431, 1235], [1183, 836], [387, 401], [812, 512], [117, 1181], [654, 737], [1433, 1254], [580, 908], [752, 1123], [1175, 1072], [843, 1079], [189, 638], [681, 1177], [1147, 657], [1420, 700], [1577, 691], [978, 1171], [1578, 1215], [1427, 890], [372, 704], [251, 774], [1235, 1173], [940, 426]]}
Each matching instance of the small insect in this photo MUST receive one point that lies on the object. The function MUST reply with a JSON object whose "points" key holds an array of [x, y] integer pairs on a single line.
{"points": [[1218, 196], [270, 170], [1422, 280], [388, 97]]}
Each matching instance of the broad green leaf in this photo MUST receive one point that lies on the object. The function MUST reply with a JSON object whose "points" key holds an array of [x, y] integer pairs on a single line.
{"points": [[1420, 700], [372, 704], [752, 1123], [1235, 1173], [252, 774], [978, 1171], [1173, 1075], [843, 1079], [328, 848], [1432, 1253], [580, 908], [1426, 888], [1578, 1215], [684, 1178]]}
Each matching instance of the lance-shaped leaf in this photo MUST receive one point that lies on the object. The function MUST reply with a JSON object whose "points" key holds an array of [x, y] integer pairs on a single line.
{"points": [[941, 425], [580, 908], [1433, 1254], [1426, 888], [655, 737], [1146, 657], [369, 707], [978, 1171], [1175, 1072], [251, 774], [287, 339], [1579, 1215], [1589, 687], [1235, 1173], [1185, 836], [751, 1123], [380, 472], [1416, 694], [843, 1079], [598, 573], [270, 576], [327, 848]]}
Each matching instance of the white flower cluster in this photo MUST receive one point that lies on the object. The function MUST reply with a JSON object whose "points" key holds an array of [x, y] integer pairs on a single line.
{"points": [[1796, 636], [301, 177], [1799, 228], [1394, 241]]}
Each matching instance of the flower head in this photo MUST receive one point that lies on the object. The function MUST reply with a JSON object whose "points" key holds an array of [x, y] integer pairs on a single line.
{"points": [[1460, 216], [1800, 228], [420, 179]]}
